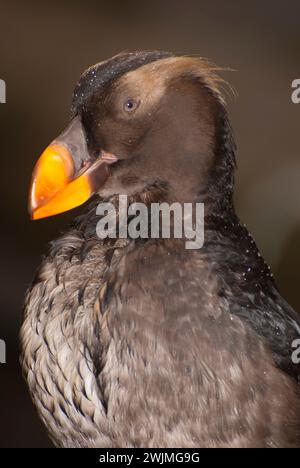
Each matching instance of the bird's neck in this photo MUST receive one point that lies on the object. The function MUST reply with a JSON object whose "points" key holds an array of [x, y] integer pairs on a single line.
{"points": [[228, 247]]}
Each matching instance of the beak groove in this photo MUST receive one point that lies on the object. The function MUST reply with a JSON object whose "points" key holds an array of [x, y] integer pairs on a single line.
{"points": [[56, 185], [53, 171]]}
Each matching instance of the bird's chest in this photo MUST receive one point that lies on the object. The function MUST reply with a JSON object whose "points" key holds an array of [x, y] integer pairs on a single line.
{"points": [[94, 332], [83, 328], [59, 338]]}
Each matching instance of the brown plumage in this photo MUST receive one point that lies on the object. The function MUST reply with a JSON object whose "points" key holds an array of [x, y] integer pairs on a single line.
{"points": [[142, 343]]}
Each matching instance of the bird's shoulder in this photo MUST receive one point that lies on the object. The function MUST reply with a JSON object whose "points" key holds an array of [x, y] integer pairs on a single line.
{"points": [[246, 281]]}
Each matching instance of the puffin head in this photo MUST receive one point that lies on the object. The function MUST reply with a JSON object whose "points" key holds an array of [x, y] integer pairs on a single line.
{"points": [[139, 120]]}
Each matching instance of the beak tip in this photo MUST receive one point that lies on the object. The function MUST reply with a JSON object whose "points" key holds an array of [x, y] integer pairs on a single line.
{"points": [[31, 207], [31, 214]]}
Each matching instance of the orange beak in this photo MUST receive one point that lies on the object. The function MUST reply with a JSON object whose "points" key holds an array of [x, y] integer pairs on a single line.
{"points": [[64, 176]]}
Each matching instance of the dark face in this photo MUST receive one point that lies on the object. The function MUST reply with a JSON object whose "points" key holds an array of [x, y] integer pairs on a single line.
{"points": [[161, 127], [158, 124]]}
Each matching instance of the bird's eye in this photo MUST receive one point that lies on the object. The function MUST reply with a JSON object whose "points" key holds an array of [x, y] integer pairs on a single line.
{"points": [[131, 105]]}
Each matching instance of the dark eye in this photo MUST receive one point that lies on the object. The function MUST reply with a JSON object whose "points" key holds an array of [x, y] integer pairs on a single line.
{"points": [[131, 105]]}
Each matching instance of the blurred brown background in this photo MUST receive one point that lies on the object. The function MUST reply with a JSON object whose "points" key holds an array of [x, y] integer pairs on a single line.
{"points": [[44, 46]]}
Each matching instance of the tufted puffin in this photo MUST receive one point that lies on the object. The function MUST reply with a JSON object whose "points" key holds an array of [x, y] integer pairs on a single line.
{"points": [[140, 342]]}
